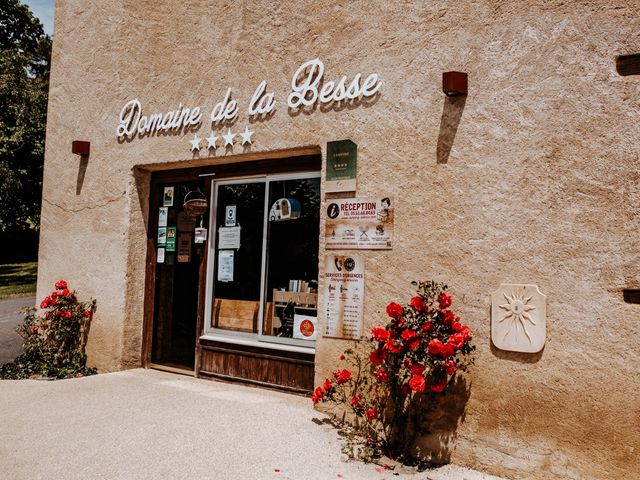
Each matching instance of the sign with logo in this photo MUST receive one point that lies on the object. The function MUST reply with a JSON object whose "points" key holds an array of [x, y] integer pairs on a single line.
{"points": [[341, 166], [305, 326], [344, 296], [359, 223]]}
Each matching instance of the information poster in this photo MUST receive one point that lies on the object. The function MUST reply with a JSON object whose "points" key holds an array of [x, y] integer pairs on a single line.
{"points": [[225, 265], [228, 237], [341, 166], [160, 255], [171, 239], [344, 296], [162, 236], [163, 214], [184, 247], [167, 199], [359, 223]]}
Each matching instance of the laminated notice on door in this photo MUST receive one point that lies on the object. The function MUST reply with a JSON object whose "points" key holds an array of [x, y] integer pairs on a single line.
{"points": [[225, 265], [229, 237]]}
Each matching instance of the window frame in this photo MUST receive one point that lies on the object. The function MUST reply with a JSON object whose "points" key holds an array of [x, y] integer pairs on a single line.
{"points": [[246, 338]]}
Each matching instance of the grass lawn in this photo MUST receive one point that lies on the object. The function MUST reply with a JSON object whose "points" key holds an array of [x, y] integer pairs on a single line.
{"points": [[18, 279]]}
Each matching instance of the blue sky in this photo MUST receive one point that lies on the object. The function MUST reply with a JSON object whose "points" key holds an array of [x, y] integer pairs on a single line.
{"points": [[43, 9]]}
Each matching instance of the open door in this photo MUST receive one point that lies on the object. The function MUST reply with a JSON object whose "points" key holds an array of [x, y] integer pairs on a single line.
{"points": [[177, 266]]}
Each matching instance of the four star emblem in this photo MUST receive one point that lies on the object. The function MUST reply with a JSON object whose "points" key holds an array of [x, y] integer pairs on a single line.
{"points": [[229, 139]]}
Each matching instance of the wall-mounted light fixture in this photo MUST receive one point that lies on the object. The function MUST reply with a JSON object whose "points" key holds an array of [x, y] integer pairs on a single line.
{"points": [[454, 83], [80, 148], [628, 64]]}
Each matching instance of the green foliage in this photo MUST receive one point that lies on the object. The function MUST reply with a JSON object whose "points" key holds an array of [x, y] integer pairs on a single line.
{"points": [[25, 53], [54, 344], [18, 279]]}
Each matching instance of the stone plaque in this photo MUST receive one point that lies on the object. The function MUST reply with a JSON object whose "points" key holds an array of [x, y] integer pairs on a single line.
{"points": [[518, 318]]}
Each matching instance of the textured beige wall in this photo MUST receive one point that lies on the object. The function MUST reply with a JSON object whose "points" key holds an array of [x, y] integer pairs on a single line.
{"points": [[541, 185]]}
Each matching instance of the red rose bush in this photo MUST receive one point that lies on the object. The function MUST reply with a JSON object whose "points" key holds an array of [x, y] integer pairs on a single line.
{"points": [[409, 363], [54, 343]]}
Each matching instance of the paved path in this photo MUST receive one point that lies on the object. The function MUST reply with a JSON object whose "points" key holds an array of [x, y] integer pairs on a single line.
{"points": [[145, 424], [10, 318]]}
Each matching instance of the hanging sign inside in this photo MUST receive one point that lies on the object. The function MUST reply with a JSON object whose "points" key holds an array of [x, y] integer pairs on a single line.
{"points": [[359, 223], [344, 296]]}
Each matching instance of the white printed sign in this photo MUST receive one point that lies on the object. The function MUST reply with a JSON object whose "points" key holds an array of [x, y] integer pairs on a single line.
{"points": [[229, 237], [344, 296], [359, 223]]}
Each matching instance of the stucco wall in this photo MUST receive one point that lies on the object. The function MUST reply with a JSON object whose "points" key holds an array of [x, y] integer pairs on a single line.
{"points": [[540, 186]]}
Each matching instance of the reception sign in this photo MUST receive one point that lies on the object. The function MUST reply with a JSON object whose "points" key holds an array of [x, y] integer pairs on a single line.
{"points": [[359, 223], [344, 296]]}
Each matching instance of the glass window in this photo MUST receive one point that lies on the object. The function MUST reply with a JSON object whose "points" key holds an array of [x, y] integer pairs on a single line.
{"points": [[263, 258]]}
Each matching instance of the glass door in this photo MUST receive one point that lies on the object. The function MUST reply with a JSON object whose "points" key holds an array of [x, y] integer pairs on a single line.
{"points": [[263, 259], [238, 238]]}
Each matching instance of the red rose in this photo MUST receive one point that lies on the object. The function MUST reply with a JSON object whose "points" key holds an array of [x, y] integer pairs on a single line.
{"points": [[448, 317], [449, 367], [342, 357], [418, 304], [456, 341], [54, 295], [318, 394], [438, 387], [392, 347], [46, 302], [406, 389], [342, 376], [65, 313], [371, 414], [427, 326], [414, 343], [377, 356], [34, 330], [456, 327], [355, 400], [86, 313], [408, 334], [417, 383], [380, 334], [444, 300], [65, 292], [447, 350], [61, 284], [417, 369], [466, 332], [394, 310], [382, 376], [326, 386], [435, 347]]}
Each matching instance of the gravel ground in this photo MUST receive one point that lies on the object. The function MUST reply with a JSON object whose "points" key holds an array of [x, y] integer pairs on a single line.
{"points": [[146, 424]]}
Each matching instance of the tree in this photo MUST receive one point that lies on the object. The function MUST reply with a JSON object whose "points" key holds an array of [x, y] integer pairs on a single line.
{"points": [[25, 55]]}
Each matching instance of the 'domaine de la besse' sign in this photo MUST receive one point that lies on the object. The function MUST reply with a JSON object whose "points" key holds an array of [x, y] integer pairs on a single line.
{"points": [[307, 89]]}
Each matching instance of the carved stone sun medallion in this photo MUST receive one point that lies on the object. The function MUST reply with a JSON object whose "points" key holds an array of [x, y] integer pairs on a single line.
{"points": [[518, 318]]}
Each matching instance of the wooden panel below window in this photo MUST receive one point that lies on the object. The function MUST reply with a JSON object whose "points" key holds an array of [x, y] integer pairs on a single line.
{"points": [[259, 365]]}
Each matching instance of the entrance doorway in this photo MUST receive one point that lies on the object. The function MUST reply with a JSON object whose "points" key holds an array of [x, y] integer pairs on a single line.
{"points": [[177, 265], [242, 305]]}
